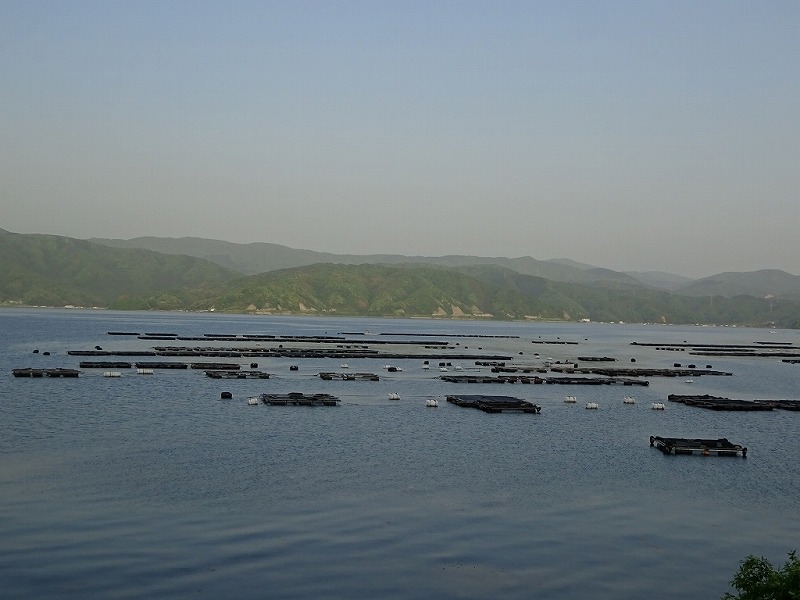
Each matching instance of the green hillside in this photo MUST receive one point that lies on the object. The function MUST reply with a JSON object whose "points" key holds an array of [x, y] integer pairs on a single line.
{"points": [[612, 302], [376, 290], [483, 291], [753, 283], [57, 271], [254, 258], [51, 270]]}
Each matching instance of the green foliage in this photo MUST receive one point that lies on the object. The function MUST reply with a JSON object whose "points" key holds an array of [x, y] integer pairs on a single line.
{"points": [[51, 270], [757, 579], [56, 271]]}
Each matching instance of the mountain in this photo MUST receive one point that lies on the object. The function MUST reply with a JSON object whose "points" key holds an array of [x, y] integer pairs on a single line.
{"points": [[259, 257], [759, 284], [56, 271], [254, 258], [52, 270], [486, 291], [376, 290], [246, 259], [660, 280]]}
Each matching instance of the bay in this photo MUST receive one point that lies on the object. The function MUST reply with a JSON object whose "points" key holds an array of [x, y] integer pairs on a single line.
{"points": [[150, 485]]}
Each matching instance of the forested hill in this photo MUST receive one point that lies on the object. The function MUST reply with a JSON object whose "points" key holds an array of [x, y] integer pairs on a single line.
{"points": [[255, 258], [51, 270], [44, 270], [478, 292]]}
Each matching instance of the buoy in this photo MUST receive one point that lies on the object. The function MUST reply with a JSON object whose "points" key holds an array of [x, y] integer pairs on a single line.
{"points": [[394, 396], [570, 399], [657, 406], [431, 403], [629, 400], [592, 405], [225, 396], [253, 401], [112, 374]]}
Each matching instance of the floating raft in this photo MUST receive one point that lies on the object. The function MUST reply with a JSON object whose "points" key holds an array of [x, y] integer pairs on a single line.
{"points": [[625, 372], [216, 366], [517, 369], [718, 403], [495, 404], [349, 376], [237, 374], [28, 372], [596, 381], [161, 365], [105, 365], [110, 353], [720, 447], [782, 404], [539, 380], [721, 403], [490, 379], [298, 399]]}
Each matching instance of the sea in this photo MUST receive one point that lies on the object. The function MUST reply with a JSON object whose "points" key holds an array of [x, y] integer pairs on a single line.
{"points": [[152, 486]]}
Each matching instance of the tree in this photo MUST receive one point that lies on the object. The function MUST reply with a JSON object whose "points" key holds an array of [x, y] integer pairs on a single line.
{"points": [[757, 579]]}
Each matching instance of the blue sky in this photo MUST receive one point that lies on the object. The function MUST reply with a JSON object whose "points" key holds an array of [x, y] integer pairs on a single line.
{"points": [[629, 135]]}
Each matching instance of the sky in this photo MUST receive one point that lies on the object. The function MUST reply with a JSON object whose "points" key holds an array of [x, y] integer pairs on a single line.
{"points": [[637, 136]]}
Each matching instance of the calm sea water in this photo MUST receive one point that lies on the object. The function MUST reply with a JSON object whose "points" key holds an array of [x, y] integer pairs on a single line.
{"points": [[150, 486]]}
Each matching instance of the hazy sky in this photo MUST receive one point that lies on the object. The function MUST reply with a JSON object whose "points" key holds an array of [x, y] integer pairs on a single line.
{"points": [[636, 135]]}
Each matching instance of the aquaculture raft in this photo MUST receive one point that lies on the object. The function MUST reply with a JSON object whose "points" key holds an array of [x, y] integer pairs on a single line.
{"points": [[28, 372], [706, 447], [719, 403], [104, 365], [237, 374], [298, 399], [349, 376], [495, 404]]}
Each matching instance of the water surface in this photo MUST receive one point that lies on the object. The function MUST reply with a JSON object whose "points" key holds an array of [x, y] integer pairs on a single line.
{"points": [[152, 486]]}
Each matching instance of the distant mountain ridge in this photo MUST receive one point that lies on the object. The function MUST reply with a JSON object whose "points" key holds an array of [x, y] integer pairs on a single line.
{"points": [[766, 282], [660, 280], [51, 270], [261, 257], [478, 291]]}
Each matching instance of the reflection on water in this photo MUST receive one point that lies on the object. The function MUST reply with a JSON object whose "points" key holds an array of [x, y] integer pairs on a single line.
{"points": [[151, 486]]}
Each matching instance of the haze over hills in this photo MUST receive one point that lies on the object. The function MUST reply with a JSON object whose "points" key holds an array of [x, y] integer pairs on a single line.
{"points": [[766, 282], [51, 270], [660, 280], [56, 271], [258, 257]]}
